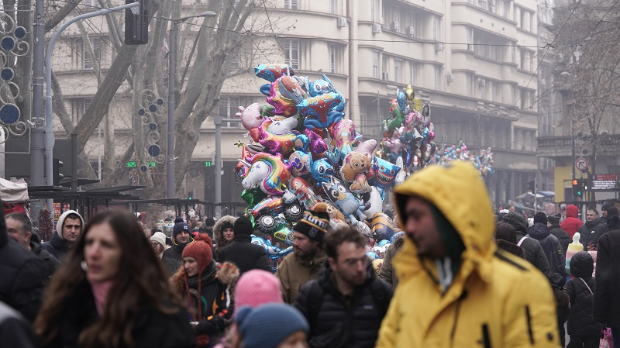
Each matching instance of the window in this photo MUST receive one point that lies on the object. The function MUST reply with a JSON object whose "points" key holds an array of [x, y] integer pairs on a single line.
{"points": [[470, 85], [376, 11], [398, 70], [414, 67], [489, 46], [291, 4], [470, 39], [496, 91], [437, 28], [504, 8], [83, 58], [78, 108], [291, 52], [227, 108], [376, 57], [335, 54], [384, 69], [333, 6], [526, 60], [438, 78]]}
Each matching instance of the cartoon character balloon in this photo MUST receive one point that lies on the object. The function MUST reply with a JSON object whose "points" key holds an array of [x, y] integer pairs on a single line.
{"points": [[269, 173]]}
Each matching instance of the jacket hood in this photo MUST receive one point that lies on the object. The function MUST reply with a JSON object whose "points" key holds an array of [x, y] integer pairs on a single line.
{"points": [[61, 221], [218, 236], [572, 211], [539, 231], [582, 265], [613, 223], [457, 191]]}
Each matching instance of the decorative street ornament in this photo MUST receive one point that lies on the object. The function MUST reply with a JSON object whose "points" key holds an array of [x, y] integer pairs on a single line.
{"points": [[152, 107]]}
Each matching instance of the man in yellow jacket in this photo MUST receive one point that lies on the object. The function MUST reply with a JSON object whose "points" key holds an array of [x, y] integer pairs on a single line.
{"points": [[455, 288]]}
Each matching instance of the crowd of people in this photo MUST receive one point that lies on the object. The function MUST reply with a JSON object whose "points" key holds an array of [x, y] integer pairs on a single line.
{"points": [[459, 276]]}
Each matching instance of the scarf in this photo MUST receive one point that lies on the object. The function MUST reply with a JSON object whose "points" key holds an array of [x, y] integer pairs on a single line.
{"points": [[100, 293]]}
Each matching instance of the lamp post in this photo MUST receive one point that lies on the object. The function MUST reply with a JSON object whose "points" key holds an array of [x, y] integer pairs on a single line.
{"points": [[172, 58]]}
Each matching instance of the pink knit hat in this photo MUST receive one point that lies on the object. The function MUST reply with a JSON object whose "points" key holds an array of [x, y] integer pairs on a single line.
{"points": [[257, 287]]}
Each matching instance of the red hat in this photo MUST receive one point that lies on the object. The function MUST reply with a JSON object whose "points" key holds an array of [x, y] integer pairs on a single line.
{"points": [[200, 250]]}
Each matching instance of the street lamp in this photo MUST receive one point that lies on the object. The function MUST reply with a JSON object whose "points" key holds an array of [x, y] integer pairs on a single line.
{"points": [[566, 74], [171, 99]]}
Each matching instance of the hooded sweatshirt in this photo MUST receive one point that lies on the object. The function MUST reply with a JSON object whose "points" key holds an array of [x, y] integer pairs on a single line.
{"points": [[572, 223], [484, 305], [58, 246], [551, 246]]}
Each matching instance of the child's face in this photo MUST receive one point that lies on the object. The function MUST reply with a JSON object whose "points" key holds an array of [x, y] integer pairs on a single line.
{"points": [[296, 340]]}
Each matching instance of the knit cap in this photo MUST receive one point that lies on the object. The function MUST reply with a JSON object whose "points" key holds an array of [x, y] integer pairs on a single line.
{"points": [[267, 326], [257, 287], [313, 224], [201, 250], [160, 238], [517, 221], [612, 211], [178, 228], [178, 219], [553, 219], [209, 222], [242, 225], [540, 218]]}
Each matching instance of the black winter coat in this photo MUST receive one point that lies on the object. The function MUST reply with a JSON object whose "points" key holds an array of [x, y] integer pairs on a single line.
{"points": [[152, 329], [581, 320], [535, 254], [173, 258], [58, 247], [14, 330], [50, 263], [561, 235], [607, 293], [551, 246], [363, 316], [22, 276], [245, 255], [591, 231]]}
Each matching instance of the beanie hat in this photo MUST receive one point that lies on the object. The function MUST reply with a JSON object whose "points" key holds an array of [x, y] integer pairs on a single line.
{"points": [[242, 225], [257, 287], [178, 219], [540, 218], [612, 211], [201, 250], [61, 221], [159, 238], [313, 224], [553, 219], [209, 222], [269, 325], [517, 221], [606, 206], [178, 228]]}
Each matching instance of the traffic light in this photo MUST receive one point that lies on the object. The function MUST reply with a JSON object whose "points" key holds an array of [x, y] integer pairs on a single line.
{"points": [[578, 187], [531, 186], [190, 195], [137, 23], [57, 174]]}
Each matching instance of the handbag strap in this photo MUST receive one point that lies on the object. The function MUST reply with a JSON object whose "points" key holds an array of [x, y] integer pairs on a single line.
{"points": [[521, 240], [586, 284]]}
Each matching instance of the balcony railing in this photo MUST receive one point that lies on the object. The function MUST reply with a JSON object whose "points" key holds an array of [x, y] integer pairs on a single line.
{"points": [[607, 145]]}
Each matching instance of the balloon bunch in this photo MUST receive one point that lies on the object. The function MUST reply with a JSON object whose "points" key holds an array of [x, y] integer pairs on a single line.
{"points": [[408, 134], [304, 154], [459, 152]]}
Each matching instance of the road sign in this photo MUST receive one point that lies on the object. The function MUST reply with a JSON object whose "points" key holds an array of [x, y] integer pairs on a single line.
{"points": [[581, 163]]}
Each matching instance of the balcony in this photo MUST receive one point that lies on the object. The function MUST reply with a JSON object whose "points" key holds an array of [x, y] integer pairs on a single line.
{"points": [[560, 146]]}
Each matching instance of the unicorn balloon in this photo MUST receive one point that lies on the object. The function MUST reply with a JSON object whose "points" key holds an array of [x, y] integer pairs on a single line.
{"points": [[269, 173]]}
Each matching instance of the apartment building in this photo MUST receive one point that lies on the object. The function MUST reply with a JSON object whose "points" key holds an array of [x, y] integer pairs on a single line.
{"points": [[475, 61]]}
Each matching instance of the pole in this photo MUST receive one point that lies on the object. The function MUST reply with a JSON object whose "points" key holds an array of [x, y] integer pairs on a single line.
{"points": [[572, 145], [218, 164], [49, 131], [171, 106], [38, 135]]}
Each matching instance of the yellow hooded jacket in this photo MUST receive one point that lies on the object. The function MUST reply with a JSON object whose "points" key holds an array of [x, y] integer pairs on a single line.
{"points": [[496, 299]]}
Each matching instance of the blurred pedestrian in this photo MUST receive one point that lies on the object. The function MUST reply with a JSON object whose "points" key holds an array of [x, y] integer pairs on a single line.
{"points": [[454, 289], [68, 230], [173, 257], [534, 252], [607, 292], [273, 325], [206, 290], [387, 272], [613, 221], [245, 255], [19, 227], [572, 223], [22, 275], [506, 239], [553, 222], [223, 233], [592, 230], [584, 331], [208, 226], [112, 292], [550, 244], [158, 243], [15, 331]]}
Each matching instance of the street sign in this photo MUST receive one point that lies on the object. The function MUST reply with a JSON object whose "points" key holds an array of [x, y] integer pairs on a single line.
{"points": [[581, 163], [604, 182]]}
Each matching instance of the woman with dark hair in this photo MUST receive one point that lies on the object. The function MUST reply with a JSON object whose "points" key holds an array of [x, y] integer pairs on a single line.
{"points": [[506, 239], [223, 233], [111, 292]]}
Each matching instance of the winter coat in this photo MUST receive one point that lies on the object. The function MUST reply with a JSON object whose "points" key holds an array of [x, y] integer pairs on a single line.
{"points": [[591, 231], [50, 263], [152, 328], [581, 320], [551, 246], [245, 255], [363, 316], [613, 223], [172, 258], [561, 235], [57, 247], [487, 304], [209, 299], [294, 272], [387, 273], [15, 331], [607, 293], [22, 276], [534, 253], [219, 242], [572, 223]]}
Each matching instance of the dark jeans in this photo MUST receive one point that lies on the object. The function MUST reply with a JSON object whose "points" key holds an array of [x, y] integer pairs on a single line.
{"points": [[584, 341]]}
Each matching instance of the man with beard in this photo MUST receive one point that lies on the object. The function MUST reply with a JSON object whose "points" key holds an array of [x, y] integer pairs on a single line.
{"points": [[347, 302], [592, 230], [173, 257], [308, 255]]}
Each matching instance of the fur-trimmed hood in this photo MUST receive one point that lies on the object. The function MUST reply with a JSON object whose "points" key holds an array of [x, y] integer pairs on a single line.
{"points": [[218, 236]]}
